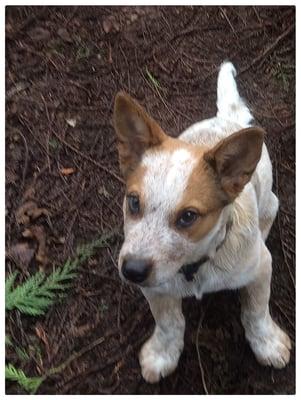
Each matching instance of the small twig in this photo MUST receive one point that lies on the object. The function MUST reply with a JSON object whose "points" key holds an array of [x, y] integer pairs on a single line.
{"points": [[48, 135], [284, 314], [289, 248], [119, 306], [257, 15], [40, 14], [23, 121], [18, 87], [110, 172], [110, 59], [159, 63], [74, 356], [198, 350], [116, 358], [280, 235], [78, 85], [105, 169], [288, 168], [112, 259], [71, 16], [157, 92], [268, 50], [287, 212], [26, 158], [228, 20]]}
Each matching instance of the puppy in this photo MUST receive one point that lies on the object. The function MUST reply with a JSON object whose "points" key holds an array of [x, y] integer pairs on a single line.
{"points": [[197, 212]]}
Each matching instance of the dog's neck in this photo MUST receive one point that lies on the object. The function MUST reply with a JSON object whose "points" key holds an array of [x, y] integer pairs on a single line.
{"points": [[189, 270]]}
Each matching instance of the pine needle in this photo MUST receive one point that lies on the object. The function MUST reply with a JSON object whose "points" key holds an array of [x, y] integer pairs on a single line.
{"points": [[10, 282], [152, 79]]}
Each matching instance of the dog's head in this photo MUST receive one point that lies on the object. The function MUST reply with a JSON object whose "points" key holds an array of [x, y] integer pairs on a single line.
{"points": [[175, 192]]}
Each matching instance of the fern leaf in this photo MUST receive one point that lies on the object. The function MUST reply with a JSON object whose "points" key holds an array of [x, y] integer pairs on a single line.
{"points": [[22, 353], [25, 295], [31, 385], [39, 292], [10, 282]]}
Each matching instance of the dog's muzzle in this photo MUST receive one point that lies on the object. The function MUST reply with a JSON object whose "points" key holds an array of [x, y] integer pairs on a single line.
{"points": [[136, 270]]}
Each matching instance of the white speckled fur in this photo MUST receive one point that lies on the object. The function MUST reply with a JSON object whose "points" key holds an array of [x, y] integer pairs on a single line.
{"points": [[242, 262]]}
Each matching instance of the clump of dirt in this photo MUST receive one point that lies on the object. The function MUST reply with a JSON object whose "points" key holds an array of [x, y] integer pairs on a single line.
{"points": [[64, 66]]}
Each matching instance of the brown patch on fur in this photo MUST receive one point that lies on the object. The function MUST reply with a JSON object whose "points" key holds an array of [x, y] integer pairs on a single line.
{"points": [[134, 180], [204, 195], [134, 186], [136, 132], [235, 158], [170, 145]]}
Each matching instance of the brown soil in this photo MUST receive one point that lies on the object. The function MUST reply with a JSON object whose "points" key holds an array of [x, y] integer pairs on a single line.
{"points": [[64, 66]]}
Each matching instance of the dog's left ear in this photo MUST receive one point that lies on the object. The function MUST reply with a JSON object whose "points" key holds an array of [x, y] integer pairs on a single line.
{"points": [[136, 132], [235, 158]]}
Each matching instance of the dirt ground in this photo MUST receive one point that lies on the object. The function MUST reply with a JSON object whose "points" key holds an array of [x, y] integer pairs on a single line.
{"points": [[64, 66]]}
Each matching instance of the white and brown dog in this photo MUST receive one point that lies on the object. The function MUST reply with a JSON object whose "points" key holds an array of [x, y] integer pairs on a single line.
{"points": [[197, 212]]}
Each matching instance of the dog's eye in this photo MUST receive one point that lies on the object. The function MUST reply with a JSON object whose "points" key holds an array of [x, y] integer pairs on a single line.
{"points": [[186, 218], [133, 203]]}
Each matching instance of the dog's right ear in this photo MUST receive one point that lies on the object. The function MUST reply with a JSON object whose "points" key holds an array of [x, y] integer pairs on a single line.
{"points": [[136, 132], [235, 158]]}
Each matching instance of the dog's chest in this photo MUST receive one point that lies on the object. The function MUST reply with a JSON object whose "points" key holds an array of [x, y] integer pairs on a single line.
{"points": [[210, 278]]}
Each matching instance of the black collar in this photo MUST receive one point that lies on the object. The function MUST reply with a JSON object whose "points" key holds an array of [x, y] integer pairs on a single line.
{"points": [[189, 270]]}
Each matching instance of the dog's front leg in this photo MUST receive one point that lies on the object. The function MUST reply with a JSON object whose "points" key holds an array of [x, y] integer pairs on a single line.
{"points": [[269, 343], [160, 354]]}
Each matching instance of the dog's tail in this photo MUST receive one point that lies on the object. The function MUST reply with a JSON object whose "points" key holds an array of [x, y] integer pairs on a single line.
{"points": [[230, 105]]}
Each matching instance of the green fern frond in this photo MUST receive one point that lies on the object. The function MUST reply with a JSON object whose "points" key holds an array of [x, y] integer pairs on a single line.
{"points": [[39, 292], [22, 353], [26, 297], [31, 385], [36, 295], [87, 250], [10, 282]]}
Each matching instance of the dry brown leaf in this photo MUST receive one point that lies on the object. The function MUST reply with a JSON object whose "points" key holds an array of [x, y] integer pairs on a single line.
{"points": [[38, 233], [29, 211], [41, 334], [21, 254], [67, 171], [29, 193], [107, 25]]}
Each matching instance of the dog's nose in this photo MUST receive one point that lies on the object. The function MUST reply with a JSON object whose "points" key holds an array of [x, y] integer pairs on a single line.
{"points": [[136, 270]]}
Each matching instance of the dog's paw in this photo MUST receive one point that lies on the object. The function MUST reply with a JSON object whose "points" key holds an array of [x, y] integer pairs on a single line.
{"points": [[272, 349], [157, 362]]}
